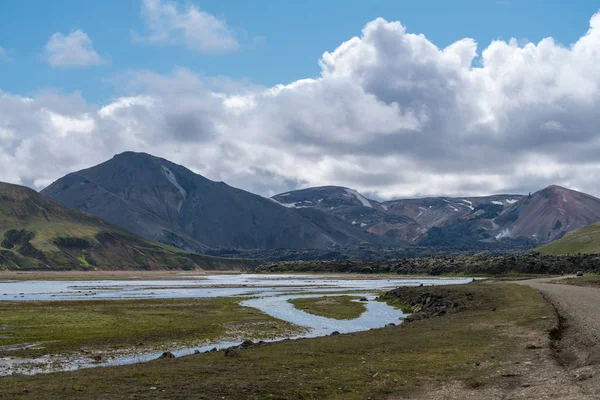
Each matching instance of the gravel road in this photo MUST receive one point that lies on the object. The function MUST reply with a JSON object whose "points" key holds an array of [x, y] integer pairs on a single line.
{"points": [[579, 346]]}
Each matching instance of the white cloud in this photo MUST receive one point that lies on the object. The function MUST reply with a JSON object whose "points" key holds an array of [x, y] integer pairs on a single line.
{"points": [[198, 30], [392, 115], [71, 51], [4, 55]]}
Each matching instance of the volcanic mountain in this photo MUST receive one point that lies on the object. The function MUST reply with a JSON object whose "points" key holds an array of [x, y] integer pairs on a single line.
{"points": [[543, 216], [38, 233], [548, 214], [404, 221], [163, 201]]}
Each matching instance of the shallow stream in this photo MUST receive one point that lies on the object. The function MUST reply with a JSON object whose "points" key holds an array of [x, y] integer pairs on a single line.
{"points": [[268, 293]]}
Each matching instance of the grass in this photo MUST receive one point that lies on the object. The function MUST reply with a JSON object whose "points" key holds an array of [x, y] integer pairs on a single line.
{"points": [[589, 281], [475, 347], [584, 240], [73, 325], [337, 307]]}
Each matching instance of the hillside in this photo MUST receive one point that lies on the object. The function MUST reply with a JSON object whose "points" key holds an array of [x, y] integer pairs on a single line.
{"points": [[548, 214], [37, 233], [582, 241], [165, 202], [405, 221], [450, 223]]}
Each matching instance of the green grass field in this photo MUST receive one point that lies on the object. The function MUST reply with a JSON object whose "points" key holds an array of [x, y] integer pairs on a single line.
{"points": [[337, 307], [108, 325], [475, 348], [584, 240]]}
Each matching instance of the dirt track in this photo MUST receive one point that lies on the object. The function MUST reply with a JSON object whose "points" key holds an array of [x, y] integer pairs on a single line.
{"points": [[578, 341], [568, 369]]}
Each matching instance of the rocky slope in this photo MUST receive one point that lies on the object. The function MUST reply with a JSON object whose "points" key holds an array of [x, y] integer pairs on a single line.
{"points": [[402, 221], [166, 202], [548, 214], [37, 233], [450, 222]]}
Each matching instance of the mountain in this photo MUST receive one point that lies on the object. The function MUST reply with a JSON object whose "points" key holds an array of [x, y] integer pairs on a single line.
{"points": [[37, 233], [444, 221], [548, 214], [581, 241], [402, 221], [165, 202]]}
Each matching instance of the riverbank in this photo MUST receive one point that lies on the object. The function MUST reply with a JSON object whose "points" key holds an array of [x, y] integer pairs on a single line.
{"points": [[57, 335], [476, 352]]}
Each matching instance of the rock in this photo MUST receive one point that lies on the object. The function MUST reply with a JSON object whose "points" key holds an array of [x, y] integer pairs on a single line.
{"points": [[166, 354], [232, 352], [391, 324], [196, 351], [246, 343], [97, 358], [363, 299], [214, 349], [532, 347], [335, 333]]}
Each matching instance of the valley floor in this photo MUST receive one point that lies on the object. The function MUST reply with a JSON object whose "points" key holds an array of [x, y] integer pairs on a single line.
{"points": [[499, 347]]}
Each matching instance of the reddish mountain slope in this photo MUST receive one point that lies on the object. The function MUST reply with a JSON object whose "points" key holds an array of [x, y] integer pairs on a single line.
{"points": [[548, 214]]}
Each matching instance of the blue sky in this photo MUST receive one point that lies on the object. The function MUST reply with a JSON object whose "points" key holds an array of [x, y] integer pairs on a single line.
{"points": [[392, 98], [280, 41]]}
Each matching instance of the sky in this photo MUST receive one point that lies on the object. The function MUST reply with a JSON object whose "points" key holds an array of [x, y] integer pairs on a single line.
{"points": [[392, 98]]}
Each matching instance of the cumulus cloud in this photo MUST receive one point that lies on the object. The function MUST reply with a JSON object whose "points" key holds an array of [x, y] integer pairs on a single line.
{"points": [[391, 115], [71, 51], [198, 30]]}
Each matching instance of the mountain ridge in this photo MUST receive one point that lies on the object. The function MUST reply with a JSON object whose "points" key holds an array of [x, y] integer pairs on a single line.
{"points": [[38, 233], [166, 202]]}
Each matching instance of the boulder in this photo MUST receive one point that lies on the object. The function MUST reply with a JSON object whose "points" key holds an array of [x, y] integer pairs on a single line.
{"points": [[166, 354]]}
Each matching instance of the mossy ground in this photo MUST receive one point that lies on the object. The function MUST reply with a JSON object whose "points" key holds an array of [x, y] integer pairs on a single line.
{"points": [[337, 307], [120, 324], [471, 347]]}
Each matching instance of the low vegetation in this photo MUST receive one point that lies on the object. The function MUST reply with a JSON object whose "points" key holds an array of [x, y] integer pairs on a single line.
{"points": [[519, 264], [337, 307], [585, 240], [120, 324], [475, 348], [589, 281]]}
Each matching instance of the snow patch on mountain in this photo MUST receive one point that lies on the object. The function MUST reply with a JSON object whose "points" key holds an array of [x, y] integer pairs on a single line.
{"points": [[498, 203], [171, 178], [359, 197], [449, 205], [511, 201], [504, 234], [468, 204]]}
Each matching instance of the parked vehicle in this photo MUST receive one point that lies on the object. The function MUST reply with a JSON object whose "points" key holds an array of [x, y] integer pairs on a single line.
{"points": [[579, 273]]}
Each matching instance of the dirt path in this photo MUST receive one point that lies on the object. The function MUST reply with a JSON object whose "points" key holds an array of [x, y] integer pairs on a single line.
{"points": [[577, 343]]}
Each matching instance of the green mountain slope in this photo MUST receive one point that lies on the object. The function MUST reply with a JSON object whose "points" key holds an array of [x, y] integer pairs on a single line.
{"points": [[584, 240], [37, 233]]}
